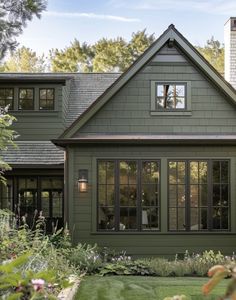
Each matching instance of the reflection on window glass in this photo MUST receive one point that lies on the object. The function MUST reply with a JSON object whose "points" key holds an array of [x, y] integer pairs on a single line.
{"points": [[46, 99], [190, 191], [6, 97], [122, 205], [170, 96], [26, 99]]}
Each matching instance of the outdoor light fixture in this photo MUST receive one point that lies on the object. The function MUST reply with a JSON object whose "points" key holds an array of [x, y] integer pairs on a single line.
{"points": [[83, 181]]}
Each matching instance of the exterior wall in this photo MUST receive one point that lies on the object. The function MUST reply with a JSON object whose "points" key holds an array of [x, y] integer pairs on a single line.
{"points": [[65, 103], [38, 125], [230, 51], [129, 112], [81, 207]]}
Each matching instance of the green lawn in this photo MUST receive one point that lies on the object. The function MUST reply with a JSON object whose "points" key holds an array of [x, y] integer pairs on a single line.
{"points": [[143, 288]]}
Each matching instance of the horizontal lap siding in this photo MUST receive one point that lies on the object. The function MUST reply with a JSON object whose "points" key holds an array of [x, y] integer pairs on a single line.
{"points": [[163, 243]]}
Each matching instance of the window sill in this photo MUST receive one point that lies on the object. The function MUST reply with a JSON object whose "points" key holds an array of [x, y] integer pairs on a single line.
{"points": [[171, 113], [31, 113], [162, 233]]}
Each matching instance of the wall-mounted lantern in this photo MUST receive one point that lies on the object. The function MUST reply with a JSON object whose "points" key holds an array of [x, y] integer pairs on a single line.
{"points": [[83, 181]]}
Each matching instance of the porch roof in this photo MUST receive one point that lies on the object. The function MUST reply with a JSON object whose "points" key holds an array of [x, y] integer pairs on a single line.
{"points": [[37, 153]]}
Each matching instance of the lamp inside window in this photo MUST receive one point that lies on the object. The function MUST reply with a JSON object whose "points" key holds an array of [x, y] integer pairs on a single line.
{"points": [[83, 181]]}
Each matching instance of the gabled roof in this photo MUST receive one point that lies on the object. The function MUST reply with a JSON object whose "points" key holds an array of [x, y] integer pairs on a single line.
{"points": [[173, 35]]}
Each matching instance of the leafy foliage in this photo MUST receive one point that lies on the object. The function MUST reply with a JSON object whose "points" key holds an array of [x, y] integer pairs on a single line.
{"points": [[14, 15], [25, 60], [213, 51], [7, 137], [106, 55]]}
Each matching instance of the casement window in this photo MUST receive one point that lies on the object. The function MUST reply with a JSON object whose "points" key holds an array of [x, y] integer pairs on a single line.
{"points": [[170, 98], [6, 97], [26, 99], [198, 195], [46, 99], [128, 195]]}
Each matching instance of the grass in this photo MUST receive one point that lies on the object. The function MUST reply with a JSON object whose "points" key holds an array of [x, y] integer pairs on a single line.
{"points": [[143, 288]]}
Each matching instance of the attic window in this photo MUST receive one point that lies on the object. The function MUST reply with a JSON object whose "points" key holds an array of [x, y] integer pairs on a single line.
{"points": [[171, 98]]}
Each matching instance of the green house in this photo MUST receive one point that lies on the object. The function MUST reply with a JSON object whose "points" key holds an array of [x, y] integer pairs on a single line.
{"points": [[143, 161]]}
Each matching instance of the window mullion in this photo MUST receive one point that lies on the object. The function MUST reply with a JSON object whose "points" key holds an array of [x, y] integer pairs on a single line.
{"points": [[210, 194], [117, 195], [187, 203], [139, 195]]}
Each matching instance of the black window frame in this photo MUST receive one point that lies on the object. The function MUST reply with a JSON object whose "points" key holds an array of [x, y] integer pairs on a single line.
{"points": [[139, 192], [53, 100], [210, 195], [11, 107], [33, 98], [171, 84]]}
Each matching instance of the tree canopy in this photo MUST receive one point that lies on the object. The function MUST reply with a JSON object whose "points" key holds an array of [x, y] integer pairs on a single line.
{"points": [[7, 137], [25, 60], [14, 15], [106, 55], [214, 52]]}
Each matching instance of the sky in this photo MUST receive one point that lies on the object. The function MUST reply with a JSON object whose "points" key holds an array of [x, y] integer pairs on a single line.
{"points": [[90, 20]]}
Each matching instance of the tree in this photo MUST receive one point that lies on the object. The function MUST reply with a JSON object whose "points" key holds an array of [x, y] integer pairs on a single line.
{"points": [[213, 51], [14, 15], [76, 58], [111, 55], [106, 55], [139, 43], [7, 137], [25, 60]]}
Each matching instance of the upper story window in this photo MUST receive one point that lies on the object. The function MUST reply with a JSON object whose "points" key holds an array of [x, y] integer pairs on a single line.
{"points": [[6, 97], [46, 99], [170, 96], [26, 99]]}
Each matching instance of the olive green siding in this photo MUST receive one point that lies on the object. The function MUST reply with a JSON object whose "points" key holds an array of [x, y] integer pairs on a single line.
{"points": [[65, 102], [129, 112], [82, 206], [38, 124]]}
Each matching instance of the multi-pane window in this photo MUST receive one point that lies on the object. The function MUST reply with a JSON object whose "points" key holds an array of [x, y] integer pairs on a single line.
{"points": [[46, 99], [128, 195], [30, 196], [26, 99], [198, 195], [6, 97], [170, 96]]}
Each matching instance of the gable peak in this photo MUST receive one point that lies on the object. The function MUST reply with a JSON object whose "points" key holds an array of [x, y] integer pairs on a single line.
{"points": [[171, 26]]}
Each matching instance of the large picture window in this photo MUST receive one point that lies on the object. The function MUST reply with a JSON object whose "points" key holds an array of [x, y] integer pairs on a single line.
{"points": [[128, 195], [198, 195]]}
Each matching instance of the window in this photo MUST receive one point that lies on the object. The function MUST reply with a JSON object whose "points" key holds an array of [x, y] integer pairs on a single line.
{"points": [[198, 195], [128, 195], [26, 99], [170, 96], [6, 97], [28, 195], [46, 99]]}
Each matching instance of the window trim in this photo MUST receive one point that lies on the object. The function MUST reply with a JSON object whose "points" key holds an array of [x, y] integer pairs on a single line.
{"points": [[209, 202], [177, 111], [139, 229]]}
